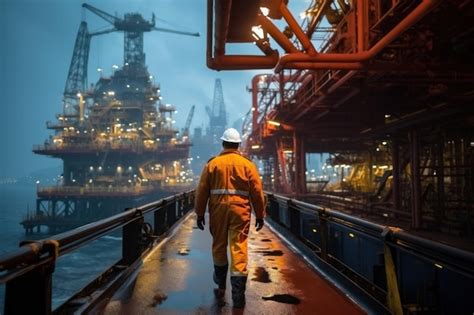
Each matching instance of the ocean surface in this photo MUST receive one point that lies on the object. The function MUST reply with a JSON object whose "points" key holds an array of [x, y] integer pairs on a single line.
{"points": [[74, 270]]}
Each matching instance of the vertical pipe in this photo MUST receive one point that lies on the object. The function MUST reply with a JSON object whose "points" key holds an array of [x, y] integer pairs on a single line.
{"points": [[361, 7], [440, 178], [396, 174], [300, 163], [255, 113], [415, 180]]}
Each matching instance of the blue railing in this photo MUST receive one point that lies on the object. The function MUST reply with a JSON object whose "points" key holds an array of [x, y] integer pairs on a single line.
{"points": [[397, 269], [27, 272]]}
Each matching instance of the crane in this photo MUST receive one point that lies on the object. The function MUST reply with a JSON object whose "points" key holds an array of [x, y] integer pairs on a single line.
{"points": [[133, 25], [188, 122]]}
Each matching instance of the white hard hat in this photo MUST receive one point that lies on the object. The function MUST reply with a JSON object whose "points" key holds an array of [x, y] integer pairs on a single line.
{"points": [[231, 135]]}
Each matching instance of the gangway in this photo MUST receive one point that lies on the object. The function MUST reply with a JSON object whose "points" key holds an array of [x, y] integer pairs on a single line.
{"points": [[307, 260]]}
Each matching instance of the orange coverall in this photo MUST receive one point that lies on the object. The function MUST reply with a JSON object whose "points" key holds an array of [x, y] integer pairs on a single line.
{"points": [[230, 182]]}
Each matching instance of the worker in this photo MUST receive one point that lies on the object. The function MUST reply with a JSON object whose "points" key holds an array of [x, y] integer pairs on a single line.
{"points": [[231, 184]]}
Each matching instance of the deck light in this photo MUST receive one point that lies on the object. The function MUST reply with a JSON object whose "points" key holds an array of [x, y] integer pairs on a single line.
{"points": [[257, 32], [274, 123], [351, 235], [264, 11], [256, 146]]}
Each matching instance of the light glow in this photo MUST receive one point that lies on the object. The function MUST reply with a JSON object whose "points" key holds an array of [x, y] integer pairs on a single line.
{"points": [[257, 32]]}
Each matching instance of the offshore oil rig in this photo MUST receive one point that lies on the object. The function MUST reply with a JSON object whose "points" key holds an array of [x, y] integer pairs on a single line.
{"points": [[207, 144], [116, 138]]}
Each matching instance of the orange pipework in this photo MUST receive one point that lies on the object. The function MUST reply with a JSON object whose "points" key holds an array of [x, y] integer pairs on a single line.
{"points": [[276, 34], [325, 65], [296, 28], [232, 62], [418, 13]]}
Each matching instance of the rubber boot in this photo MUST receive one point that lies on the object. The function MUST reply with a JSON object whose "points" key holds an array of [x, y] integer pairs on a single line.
{"points": [[238, 290], [220, 277]]}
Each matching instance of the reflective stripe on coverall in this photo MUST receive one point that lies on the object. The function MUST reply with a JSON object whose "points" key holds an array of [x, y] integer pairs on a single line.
{"points": [[230, 182]]}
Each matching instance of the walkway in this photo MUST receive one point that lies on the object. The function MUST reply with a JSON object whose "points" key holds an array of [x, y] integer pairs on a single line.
{"points": [[176, 278]]}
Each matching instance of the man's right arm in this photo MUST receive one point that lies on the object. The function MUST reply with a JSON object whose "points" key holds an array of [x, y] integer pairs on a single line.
{"points": [[202, 192]]}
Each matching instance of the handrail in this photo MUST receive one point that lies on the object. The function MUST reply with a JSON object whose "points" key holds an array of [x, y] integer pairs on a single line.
{"points": [[390, 266], [81, 235], [28, 270], [396, 234]]}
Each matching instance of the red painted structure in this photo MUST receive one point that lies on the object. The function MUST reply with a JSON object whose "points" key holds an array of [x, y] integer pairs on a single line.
{"points": [[389, 85]]}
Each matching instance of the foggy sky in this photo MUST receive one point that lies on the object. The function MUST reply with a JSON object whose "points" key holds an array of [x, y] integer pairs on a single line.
{"points": [[37, 41]]}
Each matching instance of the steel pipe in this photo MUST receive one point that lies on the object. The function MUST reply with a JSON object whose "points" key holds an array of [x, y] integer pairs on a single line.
{"points": [[276, 34], [417, 14], [232, 62], [293, 24]]}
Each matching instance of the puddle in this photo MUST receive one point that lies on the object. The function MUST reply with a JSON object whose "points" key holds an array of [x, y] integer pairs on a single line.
{"points": [[184, 251], [275, 268], [275, 252], [266, 240], [158, 298], [282, 298], [261, 275]]}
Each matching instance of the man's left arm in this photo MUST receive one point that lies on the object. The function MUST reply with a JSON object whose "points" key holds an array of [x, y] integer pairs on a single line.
{"points": [[256, 193]]}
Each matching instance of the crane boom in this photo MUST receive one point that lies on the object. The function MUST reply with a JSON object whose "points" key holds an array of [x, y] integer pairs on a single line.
{"points": [[167, 30], [76, 81], [188, 121], [104, 15]]}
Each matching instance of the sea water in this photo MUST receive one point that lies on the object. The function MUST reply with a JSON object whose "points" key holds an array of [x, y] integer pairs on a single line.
{"points": [[74, 270]]}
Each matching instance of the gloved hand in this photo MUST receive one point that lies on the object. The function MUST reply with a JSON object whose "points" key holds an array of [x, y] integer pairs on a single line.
{"points": [[201, 222], [259, 224]]}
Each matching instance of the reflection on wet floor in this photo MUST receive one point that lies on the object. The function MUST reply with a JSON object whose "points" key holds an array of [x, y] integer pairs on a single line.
{"points": [[176, 278], [261, 275], [282, 298], [275, 252]]}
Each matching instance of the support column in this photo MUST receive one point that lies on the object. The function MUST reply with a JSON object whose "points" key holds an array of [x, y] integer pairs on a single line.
{"points": [[300, 163], [440, 179], [416, 206], [396, 174]]}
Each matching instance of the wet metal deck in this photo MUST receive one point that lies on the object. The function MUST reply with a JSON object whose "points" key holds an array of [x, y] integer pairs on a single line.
{"points": [[176, 278]]}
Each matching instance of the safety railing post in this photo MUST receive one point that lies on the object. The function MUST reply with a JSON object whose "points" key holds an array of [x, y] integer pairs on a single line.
{"points": [[30, 293], [324, 235], [274, 209], [182, 205], [159, 218], [171, 212], [295, 222], [190, 201], [132, 246]]}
